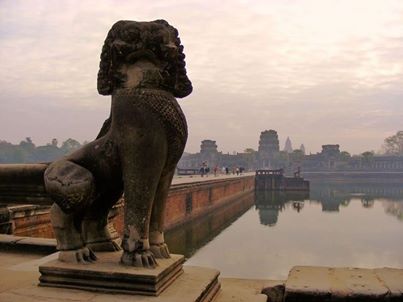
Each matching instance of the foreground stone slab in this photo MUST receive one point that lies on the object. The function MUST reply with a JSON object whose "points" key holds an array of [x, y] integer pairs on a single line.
{"points": [[393, 280], [196, 284], [306, 283], [107, 275]]}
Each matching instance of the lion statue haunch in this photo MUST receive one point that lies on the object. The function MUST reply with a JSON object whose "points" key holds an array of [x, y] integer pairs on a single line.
{"points": [[142, 66]]}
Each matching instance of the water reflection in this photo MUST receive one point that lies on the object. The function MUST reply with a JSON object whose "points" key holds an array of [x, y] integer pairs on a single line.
{"points": [[337, 224], [331, 196], [394, 208], [271, 203], [189, 238], [367, 202]]}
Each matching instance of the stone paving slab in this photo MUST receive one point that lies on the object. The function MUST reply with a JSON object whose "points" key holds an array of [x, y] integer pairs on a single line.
{"points": [[244, 290], [357, 282], [393, 280], [307, 283], [19, 280]]}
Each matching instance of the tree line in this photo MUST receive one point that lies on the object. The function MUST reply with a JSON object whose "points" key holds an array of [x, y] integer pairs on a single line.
{"points": [[27, 152], [394, 144]]}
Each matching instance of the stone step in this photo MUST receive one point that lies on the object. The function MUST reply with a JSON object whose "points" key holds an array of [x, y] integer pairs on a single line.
{"points": [[307, 283]]}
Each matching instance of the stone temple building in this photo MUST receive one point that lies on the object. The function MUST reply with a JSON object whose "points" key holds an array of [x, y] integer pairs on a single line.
{"points": [[263, 158], [269, 156], [209, 152], [210, 156], [332, 159], [269, 146]]}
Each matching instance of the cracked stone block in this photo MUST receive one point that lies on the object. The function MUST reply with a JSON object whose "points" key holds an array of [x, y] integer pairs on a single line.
{"points": [[307, 283], [392, 278]]}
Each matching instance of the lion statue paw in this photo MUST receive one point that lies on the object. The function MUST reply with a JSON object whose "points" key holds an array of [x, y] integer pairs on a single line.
{"points": [[139, 259], [83, 255], [160, 250]]}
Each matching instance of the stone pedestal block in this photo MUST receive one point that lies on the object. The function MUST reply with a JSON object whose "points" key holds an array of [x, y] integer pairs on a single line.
{"points": [[108, 275]]}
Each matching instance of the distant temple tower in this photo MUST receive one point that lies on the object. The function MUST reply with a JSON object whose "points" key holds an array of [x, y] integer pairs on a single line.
{"points": [[302, 148], [208, 146], [330, 155], [330, 150], [268, 146], [288, 145], [209, 152]]}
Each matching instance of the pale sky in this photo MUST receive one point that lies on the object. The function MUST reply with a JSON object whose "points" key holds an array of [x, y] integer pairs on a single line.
{"points": [[318, 71]]}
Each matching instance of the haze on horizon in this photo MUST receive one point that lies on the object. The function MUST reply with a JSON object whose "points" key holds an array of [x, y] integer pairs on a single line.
{"points": [[318, 71]]}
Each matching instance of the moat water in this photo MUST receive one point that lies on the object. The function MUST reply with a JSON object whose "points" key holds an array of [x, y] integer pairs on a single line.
{"points": [[265, 234]]}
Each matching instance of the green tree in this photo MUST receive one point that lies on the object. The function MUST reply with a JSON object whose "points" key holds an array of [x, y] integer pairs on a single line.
{"points": [[367, 158], [10, 154], [70, 145], [27, 144], [345, 156], [368, 154], [26, 149], [393, 145], [48, 153], [27, 152]]}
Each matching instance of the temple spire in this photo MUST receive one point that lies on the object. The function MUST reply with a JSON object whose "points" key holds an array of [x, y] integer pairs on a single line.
{"points": [[288, 145]]}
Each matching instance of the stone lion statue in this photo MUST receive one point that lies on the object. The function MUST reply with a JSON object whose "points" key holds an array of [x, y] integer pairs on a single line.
{"points": [[142, 67]]}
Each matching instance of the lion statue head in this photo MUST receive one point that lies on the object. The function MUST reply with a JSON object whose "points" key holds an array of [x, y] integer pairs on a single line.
{"points": [[157, 41]]}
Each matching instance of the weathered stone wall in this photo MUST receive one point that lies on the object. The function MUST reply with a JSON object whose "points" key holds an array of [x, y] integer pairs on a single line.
{"points": [[26, 220], [189, 201], [185, 202]]}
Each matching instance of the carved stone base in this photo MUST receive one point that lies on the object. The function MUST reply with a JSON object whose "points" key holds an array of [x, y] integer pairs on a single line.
{"points": [[108, 275]]}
